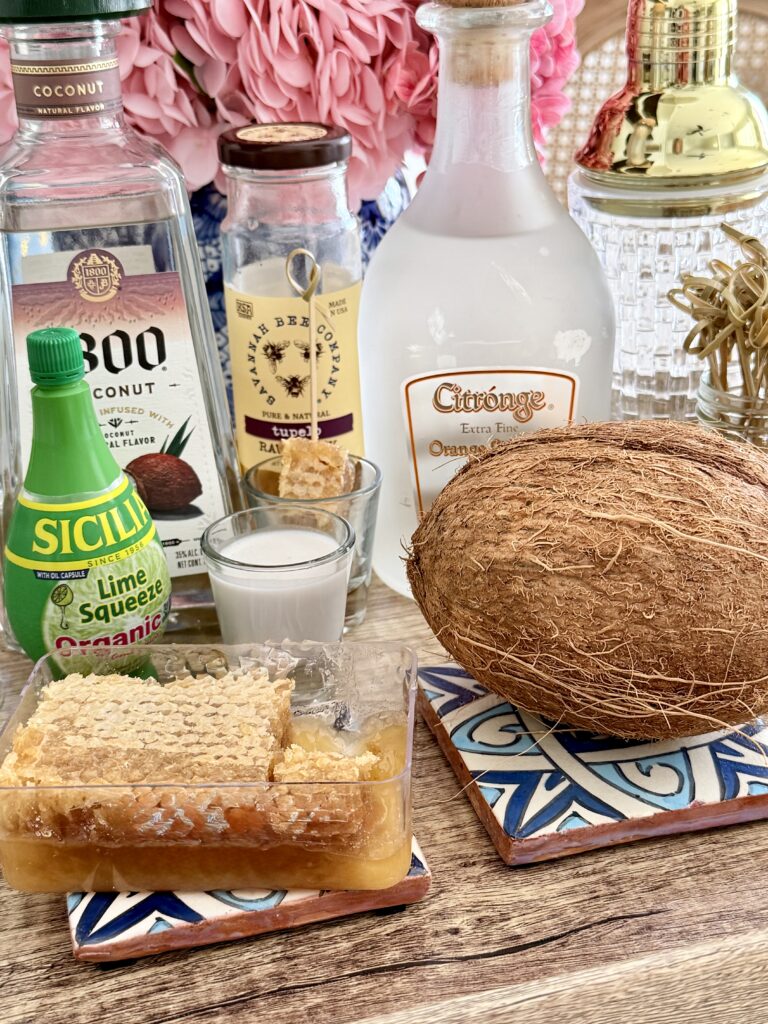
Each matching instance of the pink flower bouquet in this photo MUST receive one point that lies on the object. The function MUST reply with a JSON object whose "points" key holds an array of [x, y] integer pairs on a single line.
{"points": [[193, 67]]}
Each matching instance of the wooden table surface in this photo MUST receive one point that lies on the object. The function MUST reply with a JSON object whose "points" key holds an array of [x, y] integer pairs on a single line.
{"points": [[662, 932]]}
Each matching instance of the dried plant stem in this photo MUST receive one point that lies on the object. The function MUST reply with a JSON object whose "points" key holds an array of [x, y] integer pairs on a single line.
{"points": [[730, 314]]}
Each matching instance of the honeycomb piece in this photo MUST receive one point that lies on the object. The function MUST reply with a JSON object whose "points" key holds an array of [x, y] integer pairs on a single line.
{"points": [[115, 730], [318, 815], [122, 761], [314, 469]]}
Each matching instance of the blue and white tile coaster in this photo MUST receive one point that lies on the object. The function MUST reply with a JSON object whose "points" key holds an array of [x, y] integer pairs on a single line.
{"points": [[124, 925], [544, 793]]}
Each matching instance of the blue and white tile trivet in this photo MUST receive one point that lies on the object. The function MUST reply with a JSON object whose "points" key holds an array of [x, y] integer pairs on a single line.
{"points": [[544, 793], [118, 926]]}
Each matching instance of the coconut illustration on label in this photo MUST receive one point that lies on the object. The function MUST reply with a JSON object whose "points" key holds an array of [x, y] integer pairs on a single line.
{"points": [[166, 483]]}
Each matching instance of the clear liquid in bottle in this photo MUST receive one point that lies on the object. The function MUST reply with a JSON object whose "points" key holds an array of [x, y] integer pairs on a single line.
{"points": [[485, 311]]}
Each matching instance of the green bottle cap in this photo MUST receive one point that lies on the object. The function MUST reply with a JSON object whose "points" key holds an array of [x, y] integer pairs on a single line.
{"points": [[29, 11], [55, 356]]}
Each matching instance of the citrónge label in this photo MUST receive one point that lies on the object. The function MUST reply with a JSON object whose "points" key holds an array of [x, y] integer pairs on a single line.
{"points": [[453, 415]]}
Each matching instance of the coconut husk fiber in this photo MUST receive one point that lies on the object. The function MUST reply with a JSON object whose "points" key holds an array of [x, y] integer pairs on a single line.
{"points": [[611, 576]]}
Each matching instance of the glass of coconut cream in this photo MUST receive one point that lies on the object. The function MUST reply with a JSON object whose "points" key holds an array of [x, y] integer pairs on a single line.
{"points": [[280, 573]]}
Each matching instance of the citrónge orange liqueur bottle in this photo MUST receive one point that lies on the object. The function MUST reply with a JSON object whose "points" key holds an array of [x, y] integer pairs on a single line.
{"points": [[484, 311]]}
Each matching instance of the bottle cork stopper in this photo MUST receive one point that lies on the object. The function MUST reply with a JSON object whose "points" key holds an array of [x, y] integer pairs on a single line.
{"points": [[483, 57]]}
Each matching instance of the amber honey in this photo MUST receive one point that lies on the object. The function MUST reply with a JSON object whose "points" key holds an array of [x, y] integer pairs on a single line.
{"points": [[375, 854]]}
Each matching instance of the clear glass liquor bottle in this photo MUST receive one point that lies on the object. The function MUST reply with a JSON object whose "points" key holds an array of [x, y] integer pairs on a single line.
{"points": [[484, 310], [680, 149], [96, 233]]}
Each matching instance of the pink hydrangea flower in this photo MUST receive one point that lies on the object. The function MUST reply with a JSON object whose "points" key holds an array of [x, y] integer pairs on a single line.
{"points": [[193, 67], [8, 120], [163, 103]]}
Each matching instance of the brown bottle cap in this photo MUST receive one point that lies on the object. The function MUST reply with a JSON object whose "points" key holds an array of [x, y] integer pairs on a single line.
{"points": [[284, 147]]}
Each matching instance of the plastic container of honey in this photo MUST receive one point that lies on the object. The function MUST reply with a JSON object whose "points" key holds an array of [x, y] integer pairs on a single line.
{"points": [[213, 767]]}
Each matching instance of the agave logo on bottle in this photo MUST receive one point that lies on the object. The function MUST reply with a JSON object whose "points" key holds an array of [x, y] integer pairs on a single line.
{"points": [[86, 575], [96, 275], [129, 310]]}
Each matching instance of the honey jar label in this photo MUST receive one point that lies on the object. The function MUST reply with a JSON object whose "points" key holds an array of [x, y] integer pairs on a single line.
{"points": [[142, 369], [452, 416], [269, 349]]}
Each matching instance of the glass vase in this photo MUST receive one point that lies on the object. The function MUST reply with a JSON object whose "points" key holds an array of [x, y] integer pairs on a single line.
{"points": [[732, 414]]}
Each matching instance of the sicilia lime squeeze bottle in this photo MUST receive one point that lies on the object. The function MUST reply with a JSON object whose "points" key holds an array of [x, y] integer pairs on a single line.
{"points": [[84, 569]]}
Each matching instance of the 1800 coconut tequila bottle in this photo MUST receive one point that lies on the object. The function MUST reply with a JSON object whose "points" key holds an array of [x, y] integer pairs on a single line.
{"points": [[484, 311], [96, 232]]}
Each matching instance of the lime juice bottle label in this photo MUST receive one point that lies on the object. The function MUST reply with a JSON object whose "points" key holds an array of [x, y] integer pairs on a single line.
{"points": [[86, 574]]}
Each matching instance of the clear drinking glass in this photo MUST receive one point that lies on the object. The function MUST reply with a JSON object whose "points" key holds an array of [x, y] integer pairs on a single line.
{"points": [[280, 573], [359, 507], [732, 414]]}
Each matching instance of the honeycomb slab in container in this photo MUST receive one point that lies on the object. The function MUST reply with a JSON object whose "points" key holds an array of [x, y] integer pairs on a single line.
{"points": [[213, 767]]}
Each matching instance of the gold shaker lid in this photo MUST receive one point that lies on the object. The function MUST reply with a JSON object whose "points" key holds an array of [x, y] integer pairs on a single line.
{"points": [[682, 116]]}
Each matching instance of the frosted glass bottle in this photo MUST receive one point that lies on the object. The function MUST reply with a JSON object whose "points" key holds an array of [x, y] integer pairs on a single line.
{"points": [[484, 310]]}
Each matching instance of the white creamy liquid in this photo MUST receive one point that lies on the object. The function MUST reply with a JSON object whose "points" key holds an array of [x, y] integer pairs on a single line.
{"points": [[257, 603]]}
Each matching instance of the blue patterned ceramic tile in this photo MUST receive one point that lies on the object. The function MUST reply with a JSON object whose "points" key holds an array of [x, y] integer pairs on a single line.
{"points": [[110, 925], [540, 782]]}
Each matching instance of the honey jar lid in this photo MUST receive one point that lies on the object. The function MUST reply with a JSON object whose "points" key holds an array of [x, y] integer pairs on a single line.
{"points": [[284, 147]]}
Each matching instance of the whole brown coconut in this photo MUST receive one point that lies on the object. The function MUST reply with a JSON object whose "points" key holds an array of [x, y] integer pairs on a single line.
{"points": [[165, 482], [612, 576]]}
